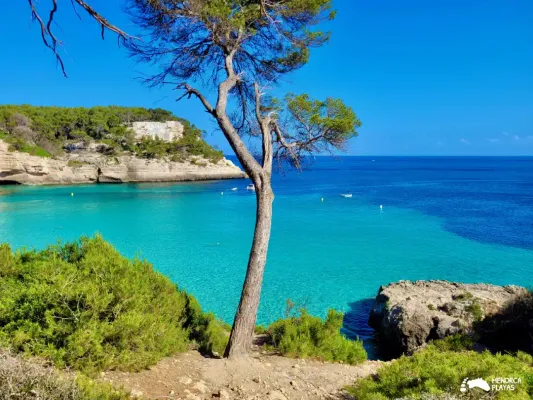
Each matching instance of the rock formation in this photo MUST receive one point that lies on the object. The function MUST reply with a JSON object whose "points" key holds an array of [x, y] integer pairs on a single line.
{"points": [[167, 131], [406, 315], [91, 166]]}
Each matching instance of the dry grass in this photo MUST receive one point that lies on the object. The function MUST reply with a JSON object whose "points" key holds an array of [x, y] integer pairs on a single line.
{"points": [[21, 379]]}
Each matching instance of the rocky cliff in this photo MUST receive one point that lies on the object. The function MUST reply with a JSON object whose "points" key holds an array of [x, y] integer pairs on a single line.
{"points": [[86, 165], [167, 131], [407, 315]]}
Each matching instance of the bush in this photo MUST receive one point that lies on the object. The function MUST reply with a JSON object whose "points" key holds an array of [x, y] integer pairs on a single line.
{"points": [[20, 144], [85, 306], [191, 144], [433, 371], [76, 163], [20, 379], [306, 336], [455, 343], [210, 334]]}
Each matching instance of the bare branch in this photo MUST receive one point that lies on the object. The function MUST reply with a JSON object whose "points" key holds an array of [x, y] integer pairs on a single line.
{"points": [[50, 40], [47, 33], [190, 91], [104, 22], [284, 146]]}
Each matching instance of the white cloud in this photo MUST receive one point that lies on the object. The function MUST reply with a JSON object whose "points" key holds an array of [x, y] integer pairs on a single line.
{"points": [[464, 141], [505, 133], [516, 137], [492, 140]]}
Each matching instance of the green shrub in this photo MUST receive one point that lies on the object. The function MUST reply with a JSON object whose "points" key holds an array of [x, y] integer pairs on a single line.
{"points": [[210, 334], [75, 163], [260, 330], [433, 371], [455, 343], [21, 379], [195, 145], [85, 306], [20, 144], [307, 336], [464, 296], [191, 143], [475, 310]]}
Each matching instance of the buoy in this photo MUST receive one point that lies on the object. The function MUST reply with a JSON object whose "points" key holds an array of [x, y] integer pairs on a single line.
{"points": [[322, 199], [72, 194], [222, 193], [381, 207]]}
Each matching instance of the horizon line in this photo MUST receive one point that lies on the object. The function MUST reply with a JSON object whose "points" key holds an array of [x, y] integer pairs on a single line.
{"points": [[416, 155]]}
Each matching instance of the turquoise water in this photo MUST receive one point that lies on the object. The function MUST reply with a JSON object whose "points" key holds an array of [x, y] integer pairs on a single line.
{"points": [[331, 254]]}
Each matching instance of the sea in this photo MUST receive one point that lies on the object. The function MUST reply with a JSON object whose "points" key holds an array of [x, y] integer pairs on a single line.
{"points": [[466, 219]]}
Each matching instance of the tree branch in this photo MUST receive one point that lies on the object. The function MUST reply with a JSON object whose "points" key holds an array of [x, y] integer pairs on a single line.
{"points": [[190, 91], [289, 147], [50, 40], [264, 124], [104, 22]]}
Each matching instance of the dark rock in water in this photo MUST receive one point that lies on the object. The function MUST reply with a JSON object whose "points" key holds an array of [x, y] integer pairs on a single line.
{"points": [[407, 315]]}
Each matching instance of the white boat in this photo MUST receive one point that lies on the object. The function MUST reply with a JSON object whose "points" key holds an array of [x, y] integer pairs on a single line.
{"points": [[251, 186], [233, 189], [347, 195]]}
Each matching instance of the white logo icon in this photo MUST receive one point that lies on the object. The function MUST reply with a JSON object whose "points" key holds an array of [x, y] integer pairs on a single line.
{"points": [[469, 384]]}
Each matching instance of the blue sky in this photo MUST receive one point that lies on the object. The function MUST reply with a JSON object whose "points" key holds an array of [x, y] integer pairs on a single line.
{"points": [[425, 77]]}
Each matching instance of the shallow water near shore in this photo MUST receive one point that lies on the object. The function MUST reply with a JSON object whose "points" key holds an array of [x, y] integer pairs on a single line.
{"points": [[461, 219]]}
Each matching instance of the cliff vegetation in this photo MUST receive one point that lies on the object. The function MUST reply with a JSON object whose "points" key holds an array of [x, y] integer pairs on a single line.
{"points": [[441, 368], [301, 335], [48, 131]]}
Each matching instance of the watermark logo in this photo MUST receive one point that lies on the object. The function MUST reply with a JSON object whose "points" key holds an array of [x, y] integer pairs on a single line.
{"points": [[507, 384], [497, 384], [469, 384]]}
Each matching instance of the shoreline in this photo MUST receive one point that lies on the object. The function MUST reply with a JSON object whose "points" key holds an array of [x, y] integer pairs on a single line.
{"points": [[90, 168]]}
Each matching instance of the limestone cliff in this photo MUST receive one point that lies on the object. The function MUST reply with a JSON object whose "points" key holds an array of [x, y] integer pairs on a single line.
{"points": [[167, 131], [88, 164]]}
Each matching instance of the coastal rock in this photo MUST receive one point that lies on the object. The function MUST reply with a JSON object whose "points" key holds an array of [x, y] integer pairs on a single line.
{"points": [[16, 167], [408, 314], [87, 166], [132, 169]]}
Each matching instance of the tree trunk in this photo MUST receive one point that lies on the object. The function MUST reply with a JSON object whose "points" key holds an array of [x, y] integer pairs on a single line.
{"points": [[242, 332]]}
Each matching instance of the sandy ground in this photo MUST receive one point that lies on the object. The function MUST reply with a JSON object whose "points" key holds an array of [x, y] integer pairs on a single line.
{"points": [[190, 376]]}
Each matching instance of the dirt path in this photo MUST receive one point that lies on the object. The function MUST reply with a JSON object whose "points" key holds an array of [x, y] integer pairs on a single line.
{"points": [[190, 376]]}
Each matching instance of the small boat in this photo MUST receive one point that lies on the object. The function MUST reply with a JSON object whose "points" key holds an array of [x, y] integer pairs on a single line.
{"points": [[251, 186], [347, 195], [233, 189]]}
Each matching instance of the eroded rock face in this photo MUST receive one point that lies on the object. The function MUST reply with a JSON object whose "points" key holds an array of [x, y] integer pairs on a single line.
{"points": [[408, 314], [132, 169], [30, 170], [85, 166], [166, 131]]}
